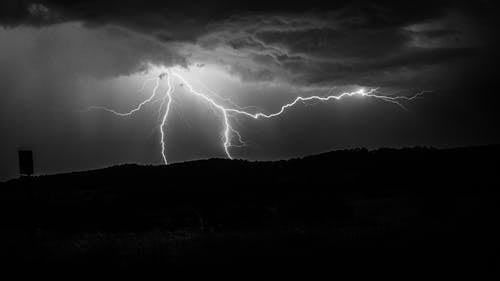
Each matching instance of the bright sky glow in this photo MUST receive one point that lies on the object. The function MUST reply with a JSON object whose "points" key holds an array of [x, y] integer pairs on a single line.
{"points": [[191, 81]]}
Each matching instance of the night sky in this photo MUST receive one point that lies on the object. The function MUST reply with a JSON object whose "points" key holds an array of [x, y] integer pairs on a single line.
{"points": [[57, 58]]}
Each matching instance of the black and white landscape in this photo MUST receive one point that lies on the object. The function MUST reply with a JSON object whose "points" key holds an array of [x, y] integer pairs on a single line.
{"points": [[202, 138]]}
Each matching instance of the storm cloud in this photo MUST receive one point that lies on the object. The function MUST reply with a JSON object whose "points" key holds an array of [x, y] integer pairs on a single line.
{"points": [[294, 42]]}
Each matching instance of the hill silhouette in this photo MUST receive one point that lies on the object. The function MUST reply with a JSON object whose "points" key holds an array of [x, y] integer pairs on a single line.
{"points": [[385, 210]]}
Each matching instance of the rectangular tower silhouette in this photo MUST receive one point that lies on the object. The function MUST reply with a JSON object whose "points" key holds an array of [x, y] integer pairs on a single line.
{"points": [[25, 162]]}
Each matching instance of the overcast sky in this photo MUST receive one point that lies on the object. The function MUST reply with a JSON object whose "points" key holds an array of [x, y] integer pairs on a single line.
{"points": [[59, 57]]}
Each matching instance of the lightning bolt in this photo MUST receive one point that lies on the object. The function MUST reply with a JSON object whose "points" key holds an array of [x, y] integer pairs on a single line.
{"points": [[134, 110], [168, 96], [234, 110]]}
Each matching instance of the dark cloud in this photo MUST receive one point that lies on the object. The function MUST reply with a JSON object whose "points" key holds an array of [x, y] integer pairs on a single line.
{"points": [[338, 43], [324, 42], [347, 43], [187, 19], [299, 42]]}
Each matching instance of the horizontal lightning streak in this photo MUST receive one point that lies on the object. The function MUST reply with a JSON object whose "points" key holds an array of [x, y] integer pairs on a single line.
{"points": [[228, 130]]}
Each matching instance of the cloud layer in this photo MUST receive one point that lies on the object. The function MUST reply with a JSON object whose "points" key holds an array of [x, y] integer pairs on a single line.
{"points": [[364, 42]]}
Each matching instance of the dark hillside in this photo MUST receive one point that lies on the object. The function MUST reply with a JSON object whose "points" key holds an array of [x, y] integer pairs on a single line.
{"points": [[409, 209]]}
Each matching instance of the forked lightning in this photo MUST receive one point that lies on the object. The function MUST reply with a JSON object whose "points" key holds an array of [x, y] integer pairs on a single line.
{"points": [[233, 110]]}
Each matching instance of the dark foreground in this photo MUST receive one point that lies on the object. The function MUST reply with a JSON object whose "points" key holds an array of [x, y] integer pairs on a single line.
{"points": [[405, 213]]}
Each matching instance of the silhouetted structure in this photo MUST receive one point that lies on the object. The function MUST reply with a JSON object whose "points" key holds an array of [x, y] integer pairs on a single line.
{"points": [[25, 162]]}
